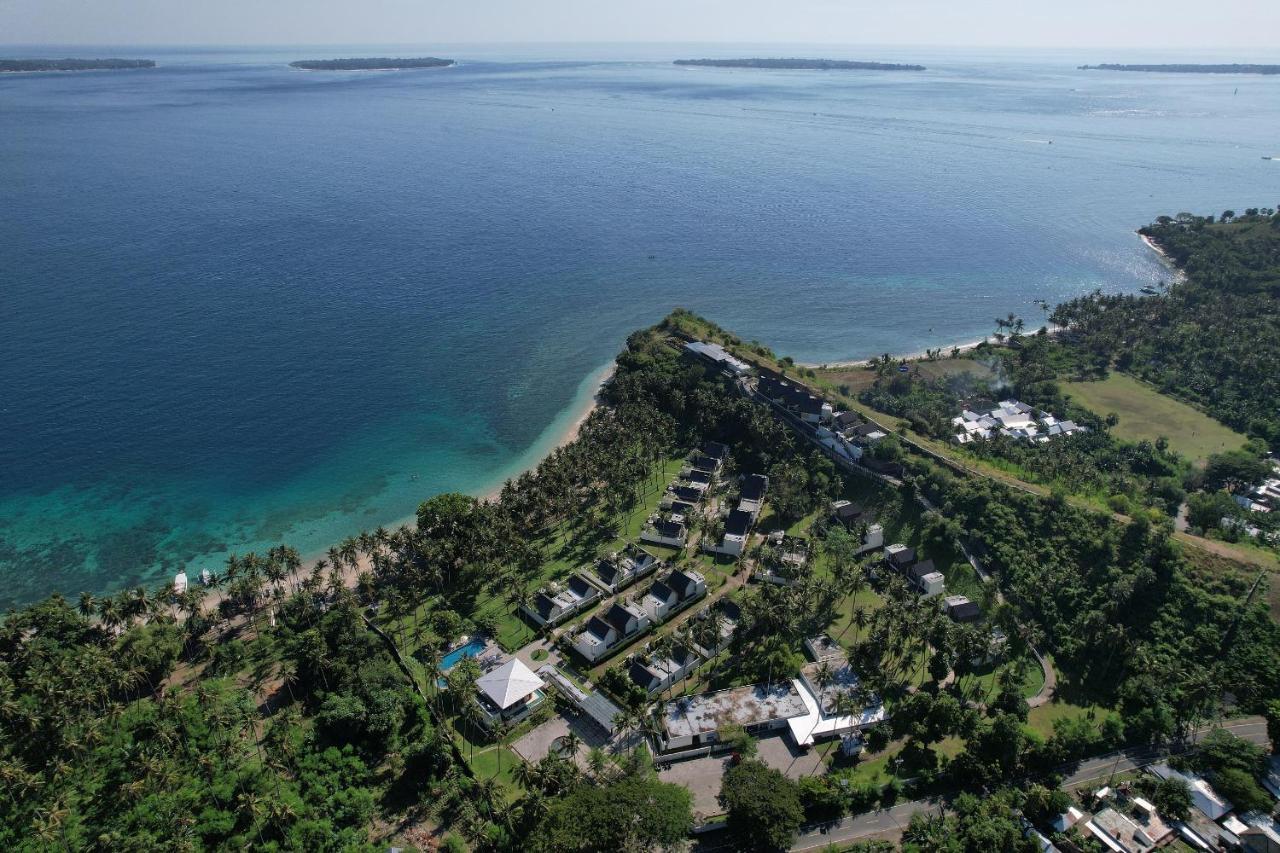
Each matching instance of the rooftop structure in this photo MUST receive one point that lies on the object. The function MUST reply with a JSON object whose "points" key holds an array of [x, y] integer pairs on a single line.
{"points": [[821, 719], [508, 684], [690, 720], [1208, 801], [1119, 833], [718, 356]]}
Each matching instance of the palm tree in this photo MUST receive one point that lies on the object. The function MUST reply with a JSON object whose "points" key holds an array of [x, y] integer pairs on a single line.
{"points": [[88, 605], [526, 775], [570, 744]]}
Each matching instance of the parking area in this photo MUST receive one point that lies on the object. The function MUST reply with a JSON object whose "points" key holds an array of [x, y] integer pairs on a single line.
{"points": [[779, 753], [702, 777]]}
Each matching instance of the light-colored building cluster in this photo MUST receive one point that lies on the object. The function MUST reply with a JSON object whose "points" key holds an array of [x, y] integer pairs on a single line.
{"points": [[808, 708], [1011, 419]]}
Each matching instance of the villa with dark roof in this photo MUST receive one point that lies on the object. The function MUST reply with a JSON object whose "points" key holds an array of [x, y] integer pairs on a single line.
{"points": [[604, 633]]}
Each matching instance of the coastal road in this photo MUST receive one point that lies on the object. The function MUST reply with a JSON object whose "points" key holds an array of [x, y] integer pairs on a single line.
{"points": [[889, 823]]}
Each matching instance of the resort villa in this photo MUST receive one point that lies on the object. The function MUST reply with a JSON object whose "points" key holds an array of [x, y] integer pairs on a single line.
{"points": [[509, 693], [606, 632], [654, 674], [737, 532], [665, 531], [623, 568], [961, 609], [1012, 419], [674, 592], [751, 498], [718, 356], [554, 604]]}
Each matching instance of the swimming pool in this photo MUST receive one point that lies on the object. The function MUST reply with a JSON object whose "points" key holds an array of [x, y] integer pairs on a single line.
{"points": [[470, 650]]}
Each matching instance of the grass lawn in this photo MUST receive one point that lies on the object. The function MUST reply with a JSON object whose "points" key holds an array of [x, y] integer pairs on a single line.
{"points": [[1145, 413], [983, 679], [1041, 719]]}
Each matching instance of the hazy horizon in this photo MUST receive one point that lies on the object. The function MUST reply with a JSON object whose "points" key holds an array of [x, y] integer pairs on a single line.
{"points": [[1140, 25]]}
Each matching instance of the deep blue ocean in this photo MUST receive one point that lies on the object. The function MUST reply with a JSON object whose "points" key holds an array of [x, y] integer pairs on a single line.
{"points": [[243, 304]]}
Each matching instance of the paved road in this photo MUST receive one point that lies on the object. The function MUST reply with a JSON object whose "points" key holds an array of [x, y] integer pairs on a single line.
{"points": [[889, 823]]}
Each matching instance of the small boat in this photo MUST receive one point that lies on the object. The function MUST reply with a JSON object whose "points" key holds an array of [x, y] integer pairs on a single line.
{"points": [[1149, 290], [180, 583], [206, 578]]}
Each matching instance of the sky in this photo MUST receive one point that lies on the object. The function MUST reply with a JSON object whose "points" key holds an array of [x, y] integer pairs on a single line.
{"points": [[1178, 25]]}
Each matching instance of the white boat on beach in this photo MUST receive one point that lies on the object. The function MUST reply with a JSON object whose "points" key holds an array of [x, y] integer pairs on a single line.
{"points": [[180, 583]]}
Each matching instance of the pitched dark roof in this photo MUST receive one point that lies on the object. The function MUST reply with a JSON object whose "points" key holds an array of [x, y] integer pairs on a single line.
{"points": [[774, 388], [682, 507], [731, 609], [846, 419], [703, 462], [754, 486], [865, 430], [670, 529], [683, 583], [850, 512], [643, 676], [809, 405], [544, 604], [699, 476], [965, 611], [903, 558], [599, 627], [661, 591], [581, 586], [716, 450], [687, 494], [738, 523], [920, 569], [608, 572], [618, 616]]}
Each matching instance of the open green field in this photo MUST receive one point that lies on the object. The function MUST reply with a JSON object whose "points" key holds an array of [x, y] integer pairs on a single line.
{"points": [[1145, 413]]}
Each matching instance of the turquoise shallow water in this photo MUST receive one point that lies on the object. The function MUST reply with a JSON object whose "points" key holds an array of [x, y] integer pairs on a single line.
{"points": [[245, 304]]}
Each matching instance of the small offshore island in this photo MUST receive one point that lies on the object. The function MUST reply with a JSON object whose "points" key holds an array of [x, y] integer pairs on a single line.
{"points": [[380, 63], [800, 64], [1187, 69], [73, 64]]}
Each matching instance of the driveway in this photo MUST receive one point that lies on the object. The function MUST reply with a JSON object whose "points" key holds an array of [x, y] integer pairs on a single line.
{"points": [[702, 777], [536, 745]]}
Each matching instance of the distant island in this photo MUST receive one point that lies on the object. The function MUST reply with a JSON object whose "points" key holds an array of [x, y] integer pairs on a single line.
{"points": [[803, 64], [73, 64], [1187, 69], [370, 64]]}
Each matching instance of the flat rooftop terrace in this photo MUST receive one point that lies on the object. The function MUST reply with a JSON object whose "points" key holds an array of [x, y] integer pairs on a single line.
{"points": [[743, 706]]}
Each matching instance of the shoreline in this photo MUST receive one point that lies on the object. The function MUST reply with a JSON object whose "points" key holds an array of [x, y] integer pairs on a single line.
{"points": [[563, 430], [911, 356]]}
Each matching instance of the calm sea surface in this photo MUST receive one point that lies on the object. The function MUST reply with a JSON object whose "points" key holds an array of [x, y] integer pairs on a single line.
{"points": [[241, 304]]}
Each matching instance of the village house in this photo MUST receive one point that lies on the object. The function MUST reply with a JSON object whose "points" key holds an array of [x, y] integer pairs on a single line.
{"points": [[1119, 833], [604, 633], [621, 569], [555, 603], [509, 693]]}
